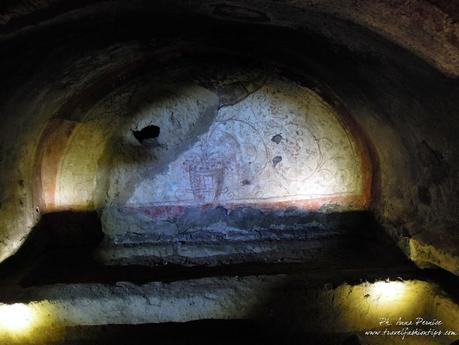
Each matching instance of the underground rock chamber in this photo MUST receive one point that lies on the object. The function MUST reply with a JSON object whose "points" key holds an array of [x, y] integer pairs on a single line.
{"points": [[227, 173]]}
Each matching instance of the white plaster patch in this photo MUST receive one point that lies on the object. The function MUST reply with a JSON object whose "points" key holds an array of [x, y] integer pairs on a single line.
{"points": [[281, 143]]}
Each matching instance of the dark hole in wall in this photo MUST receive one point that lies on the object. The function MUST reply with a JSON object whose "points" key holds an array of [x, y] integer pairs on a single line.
{"points": [[147, 133], [277, 138], [276, 160], [70, 229]]}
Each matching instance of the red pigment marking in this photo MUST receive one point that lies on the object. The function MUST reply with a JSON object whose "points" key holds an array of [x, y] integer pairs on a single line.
{"points": [[49, 154], [363, 150], [169, 211]]}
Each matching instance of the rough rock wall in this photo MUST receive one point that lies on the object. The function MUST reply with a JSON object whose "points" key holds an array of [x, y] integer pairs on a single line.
{"points": [[91, 87], [427, 28]]}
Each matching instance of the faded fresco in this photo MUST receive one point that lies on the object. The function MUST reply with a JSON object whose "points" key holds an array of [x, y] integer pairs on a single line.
{"points": [[281, 143]]}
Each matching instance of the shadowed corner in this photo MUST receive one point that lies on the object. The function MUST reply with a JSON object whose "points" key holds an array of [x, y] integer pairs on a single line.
{"points": [[61, 232]]}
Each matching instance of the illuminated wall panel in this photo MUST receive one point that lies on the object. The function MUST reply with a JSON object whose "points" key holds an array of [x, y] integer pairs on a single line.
{"points": [[282, 143]]}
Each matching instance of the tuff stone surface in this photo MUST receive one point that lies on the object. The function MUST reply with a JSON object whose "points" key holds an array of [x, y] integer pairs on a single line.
{"points": [[289, 301], [77, 107]]}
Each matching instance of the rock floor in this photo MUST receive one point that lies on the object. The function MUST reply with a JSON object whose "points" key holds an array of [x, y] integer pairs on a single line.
{"points": [[80, 300]]}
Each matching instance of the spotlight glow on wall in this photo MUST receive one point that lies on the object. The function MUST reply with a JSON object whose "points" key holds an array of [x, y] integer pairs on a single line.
{"points": [[388, 291], [16, 318]]}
